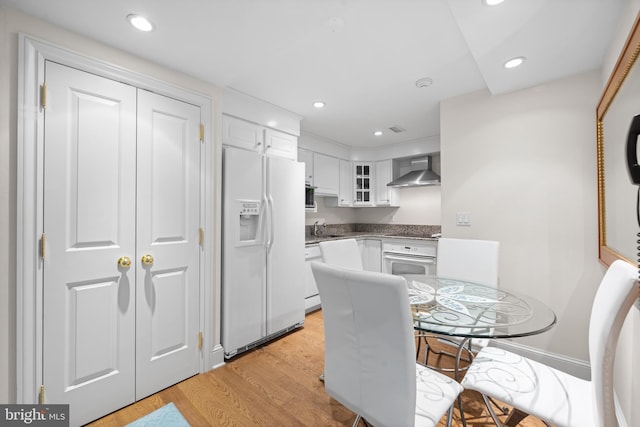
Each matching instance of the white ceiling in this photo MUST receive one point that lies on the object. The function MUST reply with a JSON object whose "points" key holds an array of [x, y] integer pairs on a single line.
{"points": [[362, 57]]}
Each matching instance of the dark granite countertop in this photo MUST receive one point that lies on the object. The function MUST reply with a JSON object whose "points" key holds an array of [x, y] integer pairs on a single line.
{"points": [[309, 240], [373, 231]]}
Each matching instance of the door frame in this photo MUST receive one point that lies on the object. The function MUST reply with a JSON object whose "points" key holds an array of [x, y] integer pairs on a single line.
{"points": [[32, 54]]}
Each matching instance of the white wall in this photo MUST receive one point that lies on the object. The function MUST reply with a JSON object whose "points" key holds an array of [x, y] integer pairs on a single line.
{"points": [[11, 23], [418, 206], [524, 166]]}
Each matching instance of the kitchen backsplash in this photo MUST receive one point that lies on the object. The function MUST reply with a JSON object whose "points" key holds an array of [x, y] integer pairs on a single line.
{"points": [[388, 229]]}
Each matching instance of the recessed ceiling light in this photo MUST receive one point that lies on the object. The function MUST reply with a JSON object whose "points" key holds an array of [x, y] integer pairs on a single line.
{"points": [[378, 133], [514, 62], [140, 22], [319, 104], [492, 2]]}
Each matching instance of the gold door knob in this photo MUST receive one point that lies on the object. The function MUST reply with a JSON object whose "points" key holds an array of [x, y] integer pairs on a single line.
{"points": [[147, 259], [124, 262]]}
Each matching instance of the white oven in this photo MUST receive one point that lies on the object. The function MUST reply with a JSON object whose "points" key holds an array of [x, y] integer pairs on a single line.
{"points": [[409, 257]]}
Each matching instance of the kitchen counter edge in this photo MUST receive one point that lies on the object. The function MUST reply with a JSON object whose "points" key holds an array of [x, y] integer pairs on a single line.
{"points": [[310, 240]]}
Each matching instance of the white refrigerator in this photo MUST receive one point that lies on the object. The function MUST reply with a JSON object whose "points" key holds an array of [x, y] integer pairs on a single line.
{"points": [[262, 250]]}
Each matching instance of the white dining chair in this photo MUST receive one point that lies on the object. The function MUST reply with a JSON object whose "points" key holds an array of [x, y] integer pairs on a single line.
{"points": [[552, 395], [370, 366], [470, 260], [342, 253]]}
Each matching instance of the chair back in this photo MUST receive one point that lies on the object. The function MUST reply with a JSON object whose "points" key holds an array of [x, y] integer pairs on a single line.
{"points": [[369, 362], [342, 253], [470, 260], [617, 292]]}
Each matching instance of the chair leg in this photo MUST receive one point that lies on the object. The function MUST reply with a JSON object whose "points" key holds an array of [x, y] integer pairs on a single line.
{"points": [[491, 412], [355, 423], [427, 349], [503, 409]]}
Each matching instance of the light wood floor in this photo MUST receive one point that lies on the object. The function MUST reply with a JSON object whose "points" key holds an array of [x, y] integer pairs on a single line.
{"points": [[274, 385]]}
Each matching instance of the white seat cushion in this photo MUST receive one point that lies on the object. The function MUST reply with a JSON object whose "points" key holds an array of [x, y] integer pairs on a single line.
{"points": [[434, 394], [535, 388]]}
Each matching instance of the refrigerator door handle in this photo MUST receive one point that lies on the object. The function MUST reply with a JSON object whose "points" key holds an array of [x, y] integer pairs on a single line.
{"points": [[271, 233], [264, 212]]}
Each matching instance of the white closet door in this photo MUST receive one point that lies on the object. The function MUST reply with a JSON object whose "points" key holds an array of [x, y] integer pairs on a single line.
{"points": [[89, 206], [168, 182]]}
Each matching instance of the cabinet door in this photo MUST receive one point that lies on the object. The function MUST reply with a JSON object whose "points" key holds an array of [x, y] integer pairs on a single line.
{"points": [[326, 174], [306, 157], [363, 177], [345, 191], [385, 196], [371, 253], [240, 133], [280, 144], [312, 298]]}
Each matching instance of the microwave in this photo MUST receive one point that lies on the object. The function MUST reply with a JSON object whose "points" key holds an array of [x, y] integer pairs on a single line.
{"points": [[309, 200]]}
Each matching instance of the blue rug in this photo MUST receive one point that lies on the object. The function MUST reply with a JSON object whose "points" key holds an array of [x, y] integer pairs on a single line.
{"points": [[167, 416]]}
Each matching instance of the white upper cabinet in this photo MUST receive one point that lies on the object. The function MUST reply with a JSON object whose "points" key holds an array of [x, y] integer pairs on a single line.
{"points": [[280, 144], [306, 157], [242, 134], [363, 181], [385, 196], [326, 175], [251, 136], [345, 192]]}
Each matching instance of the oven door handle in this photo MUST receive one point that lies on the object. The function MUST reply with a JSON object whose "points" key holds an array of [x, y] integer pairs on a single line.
{"points": [[412, 258]]}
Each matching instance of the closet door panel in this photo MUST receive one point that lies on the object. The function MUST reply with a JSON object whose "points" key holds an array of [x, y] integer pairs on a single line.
{"points": [[168, 222], [89, 224]]}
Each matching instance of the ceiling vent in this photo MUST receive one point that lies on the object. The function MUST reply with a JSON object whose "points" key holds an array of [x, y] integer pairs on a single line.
{"points": [[397, 129]]}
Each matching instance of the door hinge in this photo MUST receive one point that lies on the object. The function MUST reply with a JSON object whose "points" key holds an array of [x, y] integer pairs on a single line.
{"points": [[43, 95], [43, 246], [201, 132], [41, 395], [200, 236], [200, 340]]}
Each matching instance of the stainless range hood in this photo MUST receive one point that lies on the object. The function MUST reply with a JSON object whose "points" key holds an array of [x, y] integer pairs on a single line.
{"points": [[420, 174]]}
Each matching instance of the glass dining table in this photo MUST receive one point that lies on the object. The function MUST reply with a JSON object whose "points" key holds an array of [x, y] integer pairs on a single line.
{"points": [[466, 311]]}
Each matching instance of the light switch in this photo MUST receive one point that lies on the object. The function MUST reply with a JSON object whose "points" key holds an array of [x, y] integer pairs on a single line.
{"points": [[463, 219]]}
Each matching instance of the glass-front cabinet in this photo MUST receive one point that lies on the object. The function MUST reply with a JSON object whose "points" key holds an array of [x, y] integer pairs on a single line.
{"points": [[363, 175]]}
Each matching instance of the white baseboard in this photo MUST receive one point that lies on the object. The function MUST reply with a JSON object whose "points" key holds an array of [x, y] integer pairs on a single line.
{"points": [[217, 357]]}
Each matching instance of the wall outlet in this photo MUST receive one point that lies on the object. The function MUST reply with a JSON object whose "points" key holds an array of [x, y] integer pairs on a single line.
{"points": [[463, 219]]}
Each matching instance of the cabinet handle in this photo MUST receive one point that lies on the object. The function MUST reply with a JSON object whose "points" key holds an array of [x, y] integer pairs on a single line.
{"points": [[147, 259]]}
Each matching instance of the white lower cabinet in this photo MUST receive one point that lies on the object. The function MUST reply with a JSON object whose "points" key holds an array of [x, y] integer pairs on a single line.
{"points": [[371, 252], [311, 297]]}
